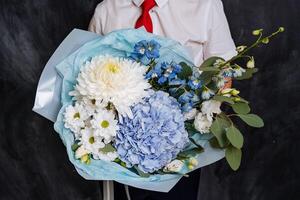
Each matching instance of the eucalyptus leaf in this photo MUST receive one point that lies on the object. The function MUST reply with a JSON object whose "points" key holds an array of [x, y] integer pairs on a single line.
{"points": [[210, 61], [108, 148], [218, 130], [189, 126], [223, 99], [186, 71], [209, 69], [233, 157], [206, 77], [247, 74], [252, 120], [241, 108], [235, 137]]}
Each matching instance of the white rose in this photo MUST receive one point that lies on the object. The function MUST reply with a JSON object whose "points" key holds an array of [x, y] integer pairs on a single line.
{"points": [[191, 114], [211, 107], [202, 123], [174, 166]]}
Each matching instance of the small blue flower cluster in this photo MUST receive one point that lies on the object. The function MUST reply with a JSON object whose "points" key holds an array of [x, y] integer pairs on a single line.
{"points": [[166, 73], [188, 100], [154, 136], [146, 51]]}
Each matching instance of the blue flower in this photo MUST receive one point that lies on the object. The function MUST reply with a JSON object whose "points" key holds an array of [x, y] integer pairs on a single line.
{"points": [[154, 136], [194, 83], [188, 100], [154, 73], [170, 71], [145, 51], [228, 72]]}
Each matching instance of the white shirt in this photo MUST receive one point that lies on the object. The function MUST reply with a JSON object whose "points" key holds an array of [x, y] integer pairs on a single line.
{"points": [[200, 25]]}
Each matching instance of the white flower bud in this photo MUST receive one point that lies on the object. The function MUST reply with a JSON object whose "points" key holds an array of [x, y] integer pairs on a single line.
{"points": [[257, 32], [251, 63], [241, 48], [174, 166], [193, 161], [81, 151]]}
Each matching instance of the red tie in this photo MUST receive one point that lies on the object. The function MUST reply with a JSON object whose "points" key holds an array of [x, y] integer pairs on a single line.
{"points": [[145, 19]]}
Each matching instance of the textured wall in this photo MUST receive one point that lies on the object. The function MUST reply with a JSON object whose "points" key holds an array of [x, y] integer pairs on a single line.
{"points": [[33, 161]]}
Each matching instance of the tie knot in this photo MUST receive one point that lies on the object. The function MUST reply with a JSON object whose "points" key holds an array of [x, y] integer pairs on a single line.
{"points": [[148, 5]]}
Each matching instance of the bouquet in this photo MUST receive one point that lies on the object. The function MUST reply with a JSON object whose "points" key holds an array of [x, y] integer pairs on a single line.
{"points": [[135, 109]]}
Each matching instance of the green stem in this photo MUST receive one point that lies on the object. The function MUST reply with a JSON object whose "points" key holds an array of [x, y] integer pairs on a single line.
{"points": [[258, 41]]}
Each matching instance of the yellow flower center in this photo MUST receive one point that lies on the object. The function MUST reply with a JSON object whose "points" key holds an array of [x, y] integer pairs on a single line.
{"points": [[76, 115], [112, 67], [104, 124], [92, 140]]}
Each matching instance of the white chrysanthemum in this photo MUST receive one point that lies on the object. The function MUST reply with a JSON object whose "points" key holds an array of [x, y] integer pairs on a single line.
{"points": [[93, 144], [75, 117], [109, 156], [211, 107], [116, 80], [105, 125], [90, 141], [202, 123]]}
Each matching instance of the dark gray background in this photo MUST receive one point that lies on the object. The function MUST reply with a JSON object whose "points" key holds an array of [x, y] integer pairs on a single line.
{"points": [[33, 161]]}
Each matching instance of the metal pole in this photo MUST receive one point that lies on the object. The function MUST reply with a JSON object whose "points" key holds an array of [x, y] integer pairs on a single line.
{"points": [[108, 190]]}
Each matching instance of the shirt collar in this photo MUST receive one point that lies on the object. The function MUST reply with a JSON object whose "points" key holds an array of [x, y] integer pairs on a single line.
{"points": [[160, 3]]}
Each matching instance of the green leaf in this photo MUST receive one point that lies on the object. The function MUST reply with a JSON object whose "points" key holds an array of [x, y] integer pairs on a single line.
{"points": [[141, 173], [241, 108], [223, 99], [218, 130], [206, 77], [214, 143], [210, 62], [252, 120], [108, 148], [186, 71], [235, 137], [248, 74], [74, 147], [191, 129], [209, 69], [233, 157]]}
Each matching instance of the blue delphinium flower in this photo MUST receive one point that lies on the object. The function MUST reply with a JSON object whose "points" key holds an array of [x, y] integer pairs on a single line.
{"points": [[170, 72], [154, 73], [145, 51], [194, 83], [188, 100], [154, 136]]}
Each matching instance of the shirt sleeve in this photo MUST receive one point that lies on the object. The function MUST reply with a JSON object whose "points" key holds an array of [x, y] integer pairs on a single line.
{"points": [[96, 23], [219, 42]]}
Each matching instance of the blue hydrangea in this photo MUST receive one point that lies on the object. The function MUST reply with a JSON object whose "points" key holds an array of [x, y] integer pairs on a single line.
{"points": [[154, 136], [146, 51]]}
